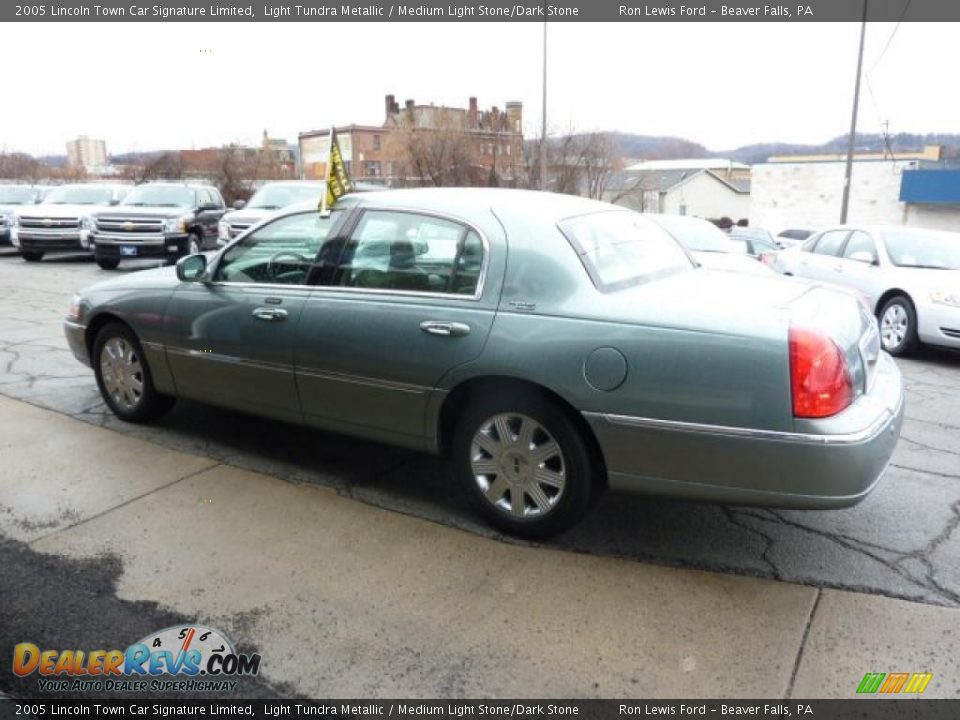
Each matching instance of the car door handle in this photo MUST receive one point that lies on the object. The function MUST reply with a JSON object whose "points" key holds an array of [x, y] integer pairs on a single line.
{"points": [[445, 328], [265, 313]]}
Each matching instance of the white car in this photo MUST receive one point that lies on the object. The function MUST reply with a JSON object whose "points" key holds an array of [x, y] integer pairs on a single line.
{"points": [[710, 246], [63, 221], [909, 277]]}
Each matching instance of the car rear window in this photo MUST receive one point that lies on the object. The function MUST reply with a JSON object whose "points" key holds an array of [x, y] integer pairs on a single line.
{"points": [[620, 249]]}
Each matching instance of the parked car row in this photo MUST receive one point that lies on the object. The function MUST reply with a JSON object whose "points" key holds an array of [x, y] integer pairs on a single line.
{"points": [[115, 222]]}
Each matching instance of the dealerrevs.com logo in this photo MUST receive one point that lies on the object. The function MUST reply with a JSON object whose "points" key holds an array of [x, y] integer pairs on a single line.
{"points": [[178, 659]]}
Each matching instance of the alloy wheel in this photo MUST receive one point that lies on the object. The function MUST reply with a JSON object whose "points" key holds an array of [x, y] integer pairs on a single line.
{"points": [[517, 465], [122, 373], [894, 326]]}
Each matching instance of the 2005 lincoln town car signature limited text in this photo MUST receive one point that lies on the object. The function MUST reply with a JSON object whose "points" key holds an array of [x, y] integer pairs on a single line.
{"points": [[550, 346]]}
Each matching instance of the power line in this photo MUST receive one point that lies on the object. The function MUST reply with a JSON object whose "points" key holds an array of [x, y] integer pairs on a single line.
{"points": [[893, 34]]}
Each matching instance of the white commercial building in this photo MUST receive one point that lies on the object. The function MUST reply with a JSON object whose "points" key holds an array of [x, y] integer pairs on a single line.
{"points": [[86, 152], [809, 193]]}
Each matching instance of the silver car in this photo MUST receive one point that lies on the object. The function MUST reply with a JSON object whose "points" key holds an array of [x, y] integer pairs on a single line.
{"points": [[909, 277]]}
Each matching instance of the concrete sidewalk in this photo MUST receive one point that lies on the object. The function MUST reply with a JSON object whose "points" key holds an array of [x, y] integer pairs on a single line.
{"points": [[344, 599]]}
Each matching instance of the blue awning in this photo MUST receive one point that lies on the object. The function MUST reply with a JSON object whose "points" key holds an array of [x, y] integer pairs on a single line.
{"points": [[930, 186]]}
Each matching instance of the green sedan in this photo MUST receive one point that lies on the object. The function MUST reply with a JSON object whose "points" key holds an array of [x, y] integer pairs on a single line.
{"points": [[550, 346]]}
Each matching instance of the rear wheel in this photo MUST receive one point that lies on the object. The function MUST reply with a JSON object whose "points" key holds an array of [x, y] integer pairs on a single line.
{"points": [[523, 464], [31, 255], [898, 326], [108, 263], [123, 376]]}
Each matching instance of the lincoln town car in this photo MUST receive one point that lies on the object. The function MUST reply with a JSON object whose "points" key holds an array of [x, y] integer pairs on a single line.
{"points": [[550, 346]]}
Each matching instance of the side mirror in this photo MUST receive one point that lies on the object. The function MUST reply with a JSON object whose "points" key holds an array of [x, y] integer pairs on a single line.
{"points": [[191, 268], [239, 204]]}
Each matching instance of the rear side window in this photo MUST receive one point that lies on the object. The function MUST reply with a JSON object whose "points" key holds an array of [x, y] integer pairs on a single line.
{"points": [[831, 242], [410, 252], [621, 249]]}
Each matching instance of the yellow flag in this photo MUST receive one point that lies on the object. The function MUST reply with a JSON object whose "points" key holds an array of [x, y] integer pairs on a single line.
{"points": [[338, 179]]}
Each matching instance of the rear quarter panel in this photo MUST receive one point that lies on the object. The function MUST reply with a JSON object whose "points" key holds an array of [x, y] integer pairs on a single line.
{"points": [[684, 360]]}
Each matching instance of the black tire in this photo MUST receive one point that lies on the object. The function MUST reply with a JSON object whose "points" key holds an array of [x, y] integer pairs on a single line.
{"points": [[31, 255], [108, 263], [899, 306], [193, 245], [150, 404], [582, 476]]}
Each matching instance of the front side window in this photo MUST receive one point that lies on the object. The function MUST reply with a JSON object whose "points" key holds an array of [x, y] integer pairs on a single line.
{"points": [[407, 251], [620, 249], [281, 253], [860, 247]]}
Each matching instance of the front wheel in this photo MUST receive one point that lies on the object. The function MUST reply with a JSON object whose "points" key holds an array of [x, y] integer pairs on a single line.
{"points": [[524, 465], [123, 376], [898, 326], [31, 255]]}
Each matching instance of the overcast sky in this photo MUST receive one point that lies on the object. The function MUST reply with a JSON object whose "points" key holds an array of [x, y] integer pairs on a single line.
{"points": [[143, 86]]}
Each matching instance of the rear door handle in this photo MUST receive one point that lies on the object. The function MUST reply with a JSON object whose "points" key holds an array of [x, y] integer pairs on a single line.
{"points": [[445, 328], [266, 313]]}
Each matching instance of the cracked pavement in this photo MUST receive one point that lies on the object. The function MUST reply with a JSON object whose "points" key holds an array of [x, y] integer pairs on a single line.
{"points": [[903, 541]]}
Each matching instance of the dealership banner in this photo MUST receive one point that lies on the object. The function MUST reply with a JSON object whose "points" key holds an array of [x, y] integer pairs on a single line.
{"points": [[486, 10], [459, 709]]}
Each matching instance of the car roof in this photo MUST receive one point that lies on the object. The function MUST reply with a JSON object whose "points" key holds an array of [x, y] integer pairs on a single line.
{"points": [[469, 201]]}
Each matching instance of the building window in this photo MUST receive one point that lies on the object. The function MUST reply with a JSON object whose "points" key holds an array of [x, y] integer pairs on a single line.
{"points": [[373, 169], [376, 142]]}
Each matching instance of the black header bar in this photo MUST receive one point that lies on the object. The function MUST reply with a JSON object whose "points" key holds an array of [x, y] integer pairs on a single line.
{"points": [[486, 10], [139, 707]]}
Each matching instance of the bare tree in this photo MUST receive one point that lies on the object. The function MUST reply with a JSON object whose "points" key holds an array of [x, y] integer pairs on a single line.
{"points": [[236, 172], [158, 166], [577, 164], [20, 166]]}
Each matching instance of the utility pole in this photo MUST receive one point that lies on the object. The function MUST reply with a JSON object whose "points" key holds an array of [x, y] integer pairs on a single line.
{"points": [[543, 127], [853, 122]]}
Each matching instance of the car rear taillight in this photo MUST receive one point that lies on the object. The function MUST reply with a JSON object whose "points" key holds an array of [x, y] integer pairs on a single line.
{"points": [[768, 258], [819, 377]]}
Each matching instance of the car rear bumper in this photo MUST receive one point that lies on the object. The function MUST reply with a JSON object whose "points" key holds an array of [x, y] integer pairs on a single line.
{"points": [[744, 466]]}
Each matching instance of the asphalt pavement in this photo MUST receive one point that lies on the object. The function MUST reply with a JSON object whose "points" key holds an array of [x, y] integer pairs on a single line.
{"points": [[901, 542]]}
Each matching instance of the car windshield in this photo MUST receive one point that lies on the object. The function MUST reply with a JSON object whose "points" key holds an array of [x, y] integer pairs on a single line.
{"points": [[924, 249], [698, 235], [79, 195], [620, 249], [274, 197], [160, 196], [11, 195]]}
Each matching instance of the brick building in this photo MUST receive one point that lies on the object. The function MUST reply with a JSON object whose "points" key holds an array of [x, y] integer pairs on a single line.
{"points": [[487, 145]]}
